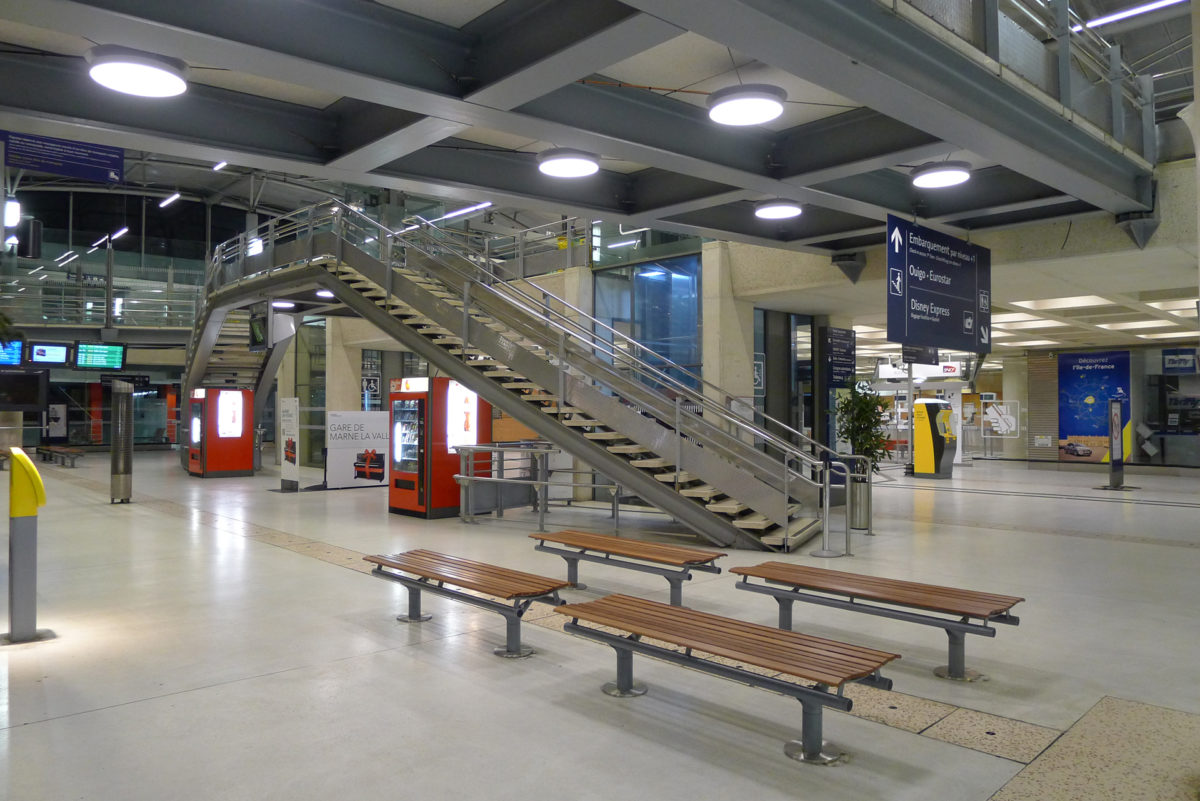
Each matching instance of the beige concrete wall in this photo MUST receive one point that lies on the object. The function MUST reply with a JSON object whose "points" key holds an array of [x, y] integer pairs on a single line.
{"points": [[728, 331], [343, 363]]}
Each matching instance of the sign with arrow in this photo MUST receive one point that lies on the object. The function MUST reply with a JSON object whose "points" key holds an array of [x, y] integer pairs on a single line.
{"points": [[939, 289]]}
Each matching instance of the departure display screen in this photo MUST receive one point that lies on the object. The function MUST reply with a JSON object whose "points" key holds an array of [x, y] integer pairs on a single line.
{"points": [[99, 356]]}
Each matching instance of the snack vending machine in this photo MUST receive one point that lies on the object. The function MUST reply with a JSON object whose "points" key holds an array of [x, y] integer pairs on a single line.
{"points": [[430, 418], [220, 432]]}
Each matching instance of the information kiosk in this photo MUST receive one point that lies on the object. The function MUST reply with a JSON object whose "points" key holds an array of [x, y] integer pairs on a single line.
{"points": [[430, 418], [220, 434]]}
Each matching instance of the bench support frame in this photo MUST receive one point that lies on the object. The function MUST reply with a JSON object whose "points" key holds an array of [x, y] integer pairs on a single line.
{"points": [[810, 748], [674, 576], [956, 630], [512, 649]]}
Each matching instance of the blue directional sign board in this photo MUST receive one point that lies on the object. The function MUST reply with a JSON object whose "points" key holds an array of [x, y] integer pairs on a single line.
{"points": [[939, 289], [84, 160], [841, 356]]}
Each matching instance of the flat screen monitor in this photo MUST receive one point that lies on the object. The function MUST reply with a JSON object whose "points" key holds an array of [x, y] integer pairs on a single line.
{"points": [[49, 353], [99, 356], [10, 354], [23, 390]]}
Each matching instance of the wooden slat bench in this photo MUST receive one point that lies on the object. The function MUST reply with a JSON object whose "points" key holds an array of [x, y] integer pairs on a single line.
{"points": [[827, 663], [59, 453], [431, 572], [673, 562], [971, 612]]}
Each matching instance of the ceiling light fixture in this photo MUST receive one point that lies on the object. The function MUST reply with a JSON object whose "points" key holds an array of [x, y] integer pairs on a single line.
{"points": [[1125, 14], [12, 212], [282, 304], [777, 209], [940, 174], [167, 201], [220, 165], [746, 104], [135, 72], [563, 162], [324, 293]]}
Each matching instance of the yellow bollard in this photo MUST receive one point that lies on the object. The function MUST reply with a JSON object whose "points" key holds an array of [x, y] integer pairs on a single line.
{"points": [[25, 494]]}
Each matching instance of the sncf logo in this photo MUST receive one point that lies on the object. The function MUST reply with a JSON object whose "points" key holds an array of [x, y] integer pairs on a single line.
{"points": [[949, 368]]}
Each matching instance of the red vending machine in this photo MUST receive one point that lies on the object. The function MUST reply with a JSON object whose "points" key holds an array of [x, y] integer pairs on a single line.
{"points": [[430, 418], [220, 432]]}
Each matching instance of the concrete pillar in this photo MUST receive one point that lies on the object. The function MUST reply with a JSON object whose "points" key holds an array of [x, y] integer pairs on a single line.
{"points": [[1016, 388], [727, 346], [10, 430], [285, 387], [343, 368]]}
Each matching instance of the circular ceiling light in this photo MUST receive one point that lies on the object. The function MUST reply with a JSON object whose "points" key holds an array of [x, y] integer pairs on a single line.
{"points": [[562, 162], [940, 174], [324, 293], [135, 72], [777, 209], [746, 104]]}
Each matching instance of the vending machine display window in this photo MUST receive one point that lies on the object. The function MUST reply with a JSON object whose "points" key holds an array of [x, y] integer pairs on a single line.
{"points": [[196, 430], [229, 413]]}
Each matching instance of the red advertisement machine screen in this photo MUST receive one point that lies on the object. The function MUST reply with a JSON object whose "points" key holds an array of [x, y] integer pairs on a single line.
{"points": [[219, 432], [429, 418]]}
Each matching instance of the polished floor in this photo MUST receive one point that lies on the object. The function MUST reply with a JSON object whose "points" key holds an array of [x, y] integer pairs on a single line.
{"points": [[219, 640]]}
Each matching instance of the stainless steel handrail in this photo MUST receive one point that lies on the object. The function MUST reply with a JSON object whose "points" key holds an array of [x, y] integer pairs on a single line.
{"points": [[556, 315]]}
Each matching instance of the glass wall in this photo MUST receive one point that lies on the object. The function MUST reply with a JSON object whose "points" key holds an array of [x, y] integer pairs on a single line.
{"points": [[658, 305], [310, 389]]}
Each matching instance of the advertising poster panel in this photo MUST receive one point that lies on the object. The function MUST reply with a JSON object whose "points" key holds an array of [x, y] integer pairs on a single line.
{"points": [[356, 449], [1086, 384], [289, 439]]}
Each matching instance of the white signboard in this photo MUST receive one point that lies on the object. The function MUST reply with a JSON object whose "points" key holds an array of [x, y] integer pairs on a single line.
{"points": [[1001, 419], [356, 449], [57, 421], [462, 416], [289, 443]]}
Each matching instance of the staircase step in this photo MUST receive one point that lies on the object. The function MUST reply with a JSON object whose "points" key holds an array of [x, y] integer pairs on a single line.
{"points": [[460, 351], [436, 330], [539, 396], [581, 422], [520, 385], [628, 449], [754, 522], [729, 506], [656, 461], [504, 373], [682, 476], [483, 363], [563, 410], [799, 531], [605, 435], [705, 492]]}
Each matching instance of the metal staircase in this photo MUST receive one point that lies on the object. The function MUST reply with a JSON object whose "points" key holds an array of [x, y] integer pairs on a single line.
{"points": [[632, 415]]}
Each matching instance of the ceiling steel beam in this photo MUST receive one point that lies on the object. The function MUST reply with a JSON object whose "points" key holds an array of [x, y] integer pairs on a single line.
{"points": [[865, 51]]}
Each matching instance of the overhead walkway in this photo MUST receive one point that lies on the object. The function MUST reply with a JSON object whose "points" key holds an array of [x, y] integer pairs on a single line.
{"points": [[629, 413]]}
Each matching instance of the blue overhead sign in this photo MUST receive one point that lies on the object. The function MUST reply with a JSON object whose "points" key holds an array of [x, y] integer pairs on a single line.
{"points": [[939, 289], [84, 160]]}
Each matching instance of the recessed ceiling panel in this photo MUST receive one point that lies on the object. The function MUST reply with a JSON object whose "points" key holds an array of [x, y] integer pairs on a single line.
{"points": [[455, 14]]}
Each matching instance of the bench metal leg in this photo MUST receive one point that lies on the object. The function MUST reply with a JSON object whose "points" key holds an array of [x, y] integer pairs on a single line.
{"points": [[785, 612], [957, 669], [573, 573], [811, 748], [512, 640], [676, 590], [624, 686], [414, 608]]}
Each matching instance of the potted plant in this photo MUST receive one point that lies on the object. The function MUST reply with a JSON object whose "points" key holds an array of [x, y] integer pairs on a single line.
{"points": [[860, 421]]}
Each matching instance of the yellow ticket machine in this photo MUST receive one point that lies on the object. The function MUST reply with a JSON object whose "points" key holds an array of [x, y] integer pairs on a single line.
{"points": [[934, 442]]}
